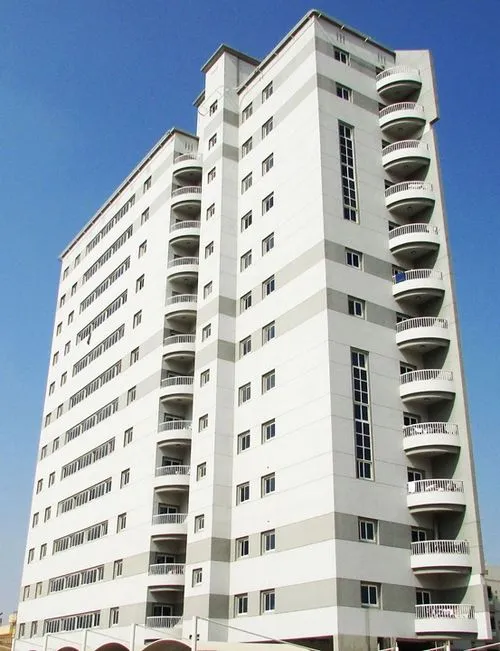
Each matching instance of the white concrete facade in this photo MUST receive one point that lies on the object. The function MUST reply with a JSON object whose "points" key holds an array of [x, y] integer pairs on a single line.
{"points": [[288, 359]]}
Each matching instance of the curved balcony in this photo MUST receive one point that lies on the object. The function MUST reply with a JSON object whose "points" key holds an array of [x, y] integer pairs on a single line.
{"points": [[431, 439], [409, 197], [423, 333], [188, 168], [172, 477], [401, 121], [163, 622], [185, 267], [404, 158], [185, 232], [413, 240], [417, 285], [440, 557], [445, 620], [187, 194], [166, 576], [427, 385], [435, 495], [179, 346], [175, 431], [179, 388], [398, 82], [181, 305], [168, 525]]}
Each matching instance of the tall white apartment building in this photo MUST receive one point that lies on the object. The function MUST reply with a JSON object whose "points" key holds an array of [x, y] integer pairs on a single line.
{"points": [[255, 408]]}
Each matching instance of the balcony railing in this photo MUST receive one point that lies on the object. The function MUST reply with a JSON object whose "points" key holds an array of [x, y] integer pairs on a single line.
{"points": [[184, 224], [421, 322], [417, 274], [163, 622], [177, 380], [409, 186], [169, 518], [187, 157], [409, 229], [181, 298], [175, 425], [441, 485], [440, 547], [388, 72], [426, 374], [187, 189], [402, 106], [444, 611], [177, 262], [419, 429], [161, 471], [179, 339], [167, 568], [404, 144]]}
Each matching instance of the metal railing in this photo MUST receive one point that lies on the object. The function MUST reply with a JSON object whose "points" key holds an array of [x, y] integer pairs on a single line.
{"points": [[421, 322], [408, 229], [187, 189], [426, 374], [181, 298], [433, 485], [177, 226], [440, 547], [182, 157], [167, 568], [161, 471], [444, 611], [401, 106], [175, 425], [163, 622], [417, 274], [177, 262], [169, 518], [405, 144], [395, 70], [179, 339], [177, 380], [404, 186], [419, 429]]}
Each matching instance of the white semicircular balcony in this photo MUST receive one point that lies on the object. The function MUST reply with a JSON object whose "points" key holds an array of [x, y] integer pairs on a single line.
{"points": [[445, 620], [424, 333], [188, 168], [169, 524], [431, 439], [175, 431], [417, 285], [404, 158], [186, 231], [398, 82], [177, 387], [186, 194], [181, 305], [166, 576], [440, 557], [172, 477], [401, 121], [409, 198], [435, 495], [179, 346], [427, 385], [413, 240], [166, 621], [186, 266]]}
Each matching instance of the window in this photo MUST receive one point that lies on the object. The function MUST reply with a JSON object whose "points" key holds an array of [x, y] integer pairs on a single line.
{"points": [[64, 377], [128, 435], [244, 393], [370, 595], [70, 317], [39, 486], [207, 289], [67, 347], [55, 358], [267, 127], [211, 175], [354, 259], [137, 319], [31, 554], [144, 216], [204, 377], [134, 356], [47, 514], [422, 597], [34, 629], [210, 211], [267, 164], [197, 576], [268, 243], [240, 604], [125, 477], [268, 381], [267, 203], [52, 479], [267, 484], [268, 430], [43, 452], [43, 551], [62, 300], [267, 601], [343, 92], [268, 332], [65, 273], [201, 471], [77, 260], [268, 286], [59, 328], [212, 141], [139, 283], [410, 419], [418, 535], [367, 530], [48, 418], [206, 331], [341, 55], [242, 547], [267, 541], [142, 249], [356, 307], [246, 221], [362, 424], [242, 493], [213, 108], [22, 629], [203, 422], [26, 592], [131, 395], [267, 92], [55, 446], [114, 616], [73, 289], [209, 249], [117, 568], [348, 173], [247, 112], [406, 368], [414, 474], [199, 522], [245, 301], [243, 441], [38, 589], [146, 185], [246, 147], [34, 521], [246, 260], [246, 183], [121, 522], [245, 346]]}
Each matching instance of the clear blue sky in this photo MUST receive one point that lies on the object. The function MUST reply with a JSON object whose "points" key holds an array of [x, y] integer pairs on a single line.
{"points": [[87, 87]]}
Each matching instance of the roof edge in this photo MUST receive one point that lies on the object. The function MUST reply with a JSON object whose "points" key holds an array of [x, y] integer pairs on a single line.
{"points": [[226, 49]]}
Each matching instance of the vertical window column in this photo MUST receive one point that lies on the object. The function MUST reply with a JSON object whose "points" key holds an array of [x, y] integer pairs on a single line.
{"points": [[361, 405], [348, 172]]}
